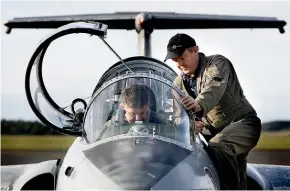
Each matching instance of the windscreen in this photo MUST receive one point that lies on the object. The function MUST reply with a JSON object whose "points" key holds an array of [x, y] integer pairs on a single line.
{"points": [[137, 106]]}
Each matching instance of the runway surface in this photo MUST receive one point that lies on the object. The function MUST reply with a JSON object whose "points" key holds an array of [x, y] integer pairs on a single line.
{"points": [[27, 157]]}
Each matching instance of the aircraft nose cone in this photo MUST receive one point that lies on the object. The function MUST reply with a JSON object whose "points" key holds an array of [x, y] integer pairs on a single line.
{"points": [[136, 163]]}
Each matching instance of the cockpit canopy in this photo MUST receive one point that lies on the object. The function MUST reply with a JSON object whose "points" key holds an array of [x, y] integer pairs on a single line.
{"points": [[106, 116], [136, 104]]}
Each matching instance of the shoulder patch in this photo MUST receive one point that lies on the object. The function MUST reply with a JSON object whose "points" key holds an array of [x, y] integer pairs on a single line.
{"points": [[213, 72]]}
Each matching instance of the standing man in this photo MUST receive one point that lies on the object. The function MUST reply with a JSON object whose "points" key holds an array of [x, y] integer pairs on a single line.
{"points": [[213, 92]]}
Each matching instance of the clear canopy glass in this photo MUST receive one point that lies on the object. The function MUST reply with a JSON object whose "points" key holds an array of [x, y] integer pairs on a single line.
{"points": [[137, 106]]}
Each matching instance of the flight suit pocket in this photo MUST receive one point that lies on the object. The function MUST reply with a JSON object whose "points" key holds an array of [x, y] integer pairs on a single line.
{"points": [[217, 119]]}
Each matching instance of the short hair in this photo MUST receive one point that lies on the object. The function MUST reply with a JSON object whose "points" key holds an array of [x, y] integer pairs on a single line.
{"points": [[135, 96]]}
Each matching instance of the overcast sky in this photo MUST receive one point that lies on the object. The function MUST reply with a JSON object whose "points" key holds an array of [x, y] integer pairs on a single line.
{"points": [[75, 63]]}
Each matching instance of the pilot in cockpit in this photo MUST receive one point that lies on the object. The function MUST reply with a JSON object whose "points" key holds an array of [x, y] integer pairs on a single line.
{"points": [[137, 104], [137, 113]]}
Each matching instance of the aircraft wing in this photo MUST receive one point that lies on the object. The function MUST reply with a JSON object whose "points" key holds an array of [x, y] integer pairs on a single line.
{"points": [[159, 20], [269, 177], [17, 177]]}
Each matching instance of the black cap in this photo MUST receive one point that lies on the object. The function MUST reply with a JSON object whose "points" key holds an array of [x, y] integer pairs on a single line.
{"points": [[177, 45]]}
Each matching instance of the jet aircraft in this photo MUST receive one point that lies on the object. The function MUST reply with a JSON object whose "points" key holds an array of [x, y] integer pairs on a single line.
{"points": [[140, 155]]}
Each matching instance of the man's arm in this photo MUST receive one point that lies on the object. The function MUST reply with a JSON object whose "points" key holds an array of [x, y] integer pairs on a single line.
{"points": [[217, 75]]}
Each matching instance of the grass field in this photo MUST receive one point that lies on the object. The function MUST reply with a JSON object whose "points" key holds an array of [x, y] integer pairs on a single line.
{"points": [[274, 141], [34, 142], [268, 141]]}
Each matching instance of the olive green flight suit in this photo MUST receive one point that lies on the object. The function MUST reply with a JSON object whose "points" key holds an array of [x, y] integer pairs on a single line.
{"points": [[228, 115]]}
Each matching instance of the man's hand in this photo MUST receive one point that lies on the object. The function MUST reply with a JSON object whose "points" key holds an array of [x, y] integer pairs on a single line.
{"points": [[198, 126], [190, 103]]}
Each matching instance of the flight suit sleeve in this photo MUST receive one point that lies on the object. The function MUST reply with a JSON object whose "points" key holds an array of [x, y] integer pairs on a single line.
{"points": [[217, 75]]}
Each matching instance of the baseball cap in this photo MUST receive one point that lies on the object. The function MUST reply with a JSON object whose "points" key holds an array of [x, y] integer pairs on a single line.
{"points": [[177, 45]]}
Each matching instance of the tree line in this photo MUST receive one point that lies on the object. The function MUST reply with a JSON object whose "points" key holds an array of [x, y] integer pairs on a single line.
{"points": [[20, 127]]}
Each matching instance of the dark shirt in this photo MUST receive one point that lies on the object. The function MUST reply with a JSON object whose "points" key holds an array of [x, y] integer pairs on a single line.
{"points": [[190, 83]]}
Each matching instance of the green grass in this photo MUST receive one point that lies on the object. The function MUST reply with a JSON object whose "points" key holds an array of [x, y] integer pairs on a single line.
{"points": [[268, 141], [279, 140], [34, 142]]}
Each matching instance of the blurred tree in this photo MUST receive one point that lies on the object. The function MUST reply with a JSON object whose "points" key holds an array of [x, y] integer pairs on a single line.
{"points": [[20, 127]]}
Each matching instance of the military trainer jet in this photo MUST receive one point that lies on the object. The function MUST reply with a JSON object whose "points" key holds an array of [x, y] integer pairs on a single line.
{"points": [[124, 156]]}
